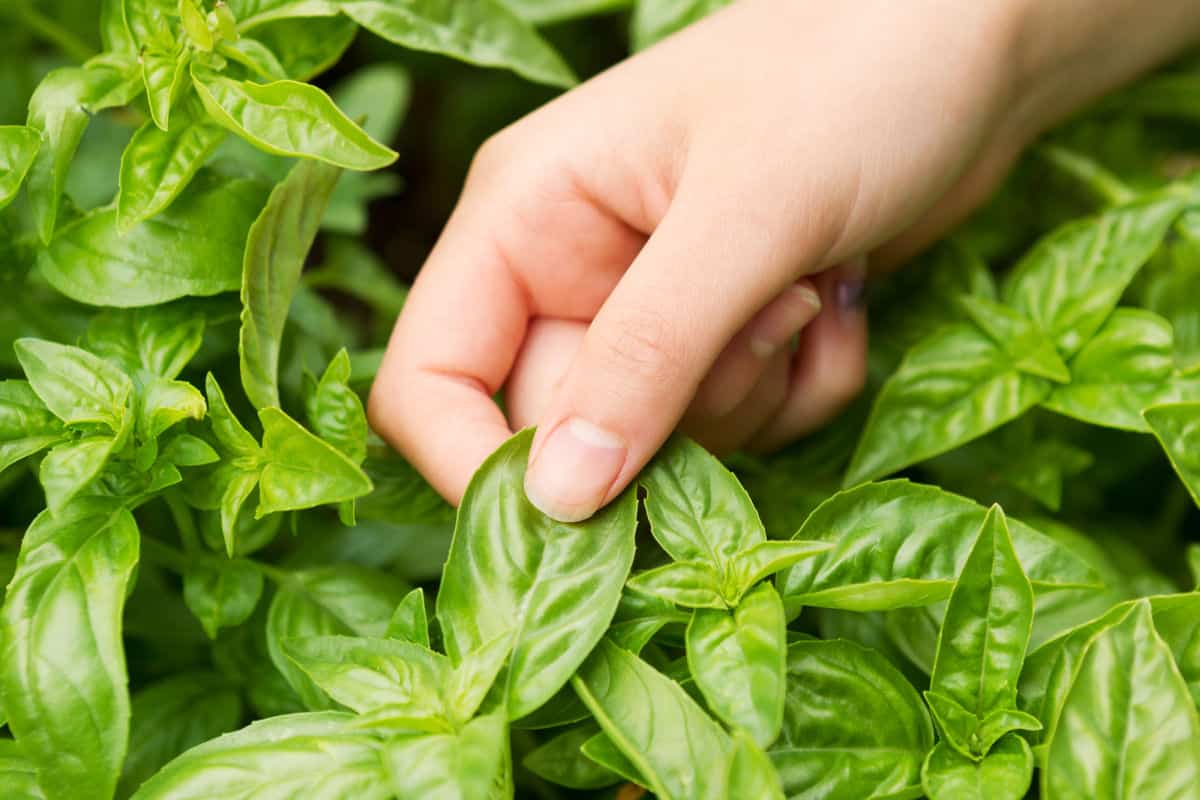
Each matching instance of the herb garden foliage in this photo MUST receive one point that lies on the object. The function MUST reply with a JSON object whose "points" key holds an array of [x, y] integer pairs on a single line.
{"points": [[232, 589]]}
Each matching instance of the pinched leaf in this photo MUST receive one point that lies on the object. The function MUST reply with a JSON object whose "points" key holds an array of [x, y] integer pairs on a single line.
{"points": [[276, 247], [1071, 280], [75, 385], [72, 466], [738, 659], [561, 761], [26, 425], [1005, 774], [467, 765], [63, 672], [289, 118], [1177, 427], [952, 387], [698, 511], [691, 584], [644, 713], [409, 622], [1128, 727], [318, 755], [900, 544], [554, 585], [302, 471], [18, 147], [854, 726], [656, 19], [192, 248], [985, 632], [221, 592], [482, 32]]}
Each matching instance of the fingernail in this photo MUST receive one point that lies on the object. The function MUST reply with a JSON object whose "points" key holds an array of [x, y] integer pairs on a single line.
{"points": [[850, 291], [776, 333], [574, 469]]}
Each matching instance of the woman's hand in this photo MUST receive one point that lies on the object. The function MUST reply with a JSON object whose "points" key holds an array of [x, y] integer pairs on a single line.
{"points": [[646, 246]]}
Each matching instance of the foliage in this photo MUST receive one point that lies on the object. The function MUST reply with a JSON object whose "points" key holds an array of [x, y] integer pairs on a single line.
{"points": [[220, 583]]}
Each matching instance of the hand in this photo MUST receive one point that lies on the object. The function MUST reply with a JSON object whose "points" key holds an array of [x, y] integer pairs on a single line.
{"points": [[671, 211]]}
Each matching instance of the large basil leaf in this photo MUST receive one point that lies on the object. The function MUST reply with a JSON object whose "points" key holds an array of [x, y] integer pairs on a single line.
{"points": [[676, 748], [901, 544], [63, 672], [18, 776], [1177, 427], [656, 19], [335, 600], [1071, 280], [192, 248], [276, 247], [546, 12], [26, 425], [317, 755], [854, 726], [289, 118], [18, 147], [480, 32], [738, 659], [1128, 727], [952, 387], [552, 586], [471, 764], [750, 772], [1004, 774], [75, 385]]}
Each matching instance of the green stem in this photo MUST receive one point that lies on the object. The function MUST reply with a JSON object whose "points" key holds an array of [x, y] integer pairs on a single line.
{"points": [[275, 574], [52, 32], [164, 555], [1103, 183], [184, 522]]}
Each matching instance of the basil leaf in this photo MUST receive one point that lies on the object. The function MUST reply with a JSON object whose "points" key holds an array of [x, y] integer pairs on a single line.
{"points": [[26, 425], [288, 118], [656, 19], [697, 509], [302, 471], [1004, 774], [766, 558], [337, 600], [1072, 279], [158, 341], [192, 248], [220, 592], [254, 56], [409, 622], [1177, 428], [469, 765], [1130, 711], [601, 751], [251, 13], [278, 242], [900, 544], [854, 726], [19, 146], [1029, 349], [751, 773], [164, 71], [18, 776], [739, 658], [553, 586], [72, 466], [642, 712], [691, 584], [351, 268], [983, 638], [335, 411], [561, 761], [63, 675], [547, 12], [75, 385], [173, 715], [483, 32], [474, 677], [951, 388], [315, 754], [307, 46]]}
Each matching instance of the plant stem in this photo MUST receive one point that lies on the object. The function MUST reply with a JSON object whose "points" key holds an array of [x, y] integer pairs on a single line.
{"points": [[1093, 175], [52, 32], [164, 555], [184, 522]]}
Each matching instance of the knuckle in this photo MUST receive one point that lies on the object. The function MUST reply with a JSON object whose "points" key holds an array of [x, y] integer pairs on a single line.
{"points": [[646, 346]]}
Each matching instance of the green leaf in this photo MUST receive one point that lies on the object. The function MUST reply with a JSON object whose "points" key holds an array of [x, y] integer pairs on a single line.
{"points": [[468, 765], [254, 56], [766, 558], [483, 32], [157, 165], [952, 387], [1005, 774], [335, 411], [738, 659], [1129, 711], [192, 248], [232, 436], [474, 677], [698, 511], [252, 13], [75, 385], [288, 118], [367, 674], [553, 585], [854, 726], [750, 773], [71, 467], [26, 425], [1028, 347], [561, 761], [691, 584], [18, 776], [1193, 558], [63, 675], [1177, 427], [307, 46], [341, 599], [173, 715], [900, 544], [312, 754], [158, 340], [547, 12], [656, 19], [221, 593], [19, 146], [276, 247], [643, 713], [985, 631], [1125, 368], [409, 622], [1071, 280], [352, 268], [302, 471], [164, 71], [601, 751]]}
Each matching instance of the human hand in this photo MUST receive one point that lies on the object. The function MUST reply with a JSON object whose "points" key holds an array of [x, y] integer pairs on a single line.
{"points": [[671, 211]]}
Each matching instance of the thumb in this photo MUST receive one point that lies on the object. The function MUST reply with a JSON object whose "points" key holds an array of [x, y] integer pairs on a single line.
{"points": [[695, 284]]}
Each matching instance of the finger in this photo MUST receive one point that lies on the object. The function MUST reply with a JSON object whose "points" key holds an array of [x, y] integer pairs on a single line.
{"points": [[741, 365], [648, 349], [550, 346], [731, 432], [830, 367]]}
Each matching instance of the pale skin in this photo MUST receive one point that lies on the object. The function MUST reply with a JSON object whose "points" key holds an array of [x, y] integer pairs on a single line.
{"points": [[640, 254]]}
